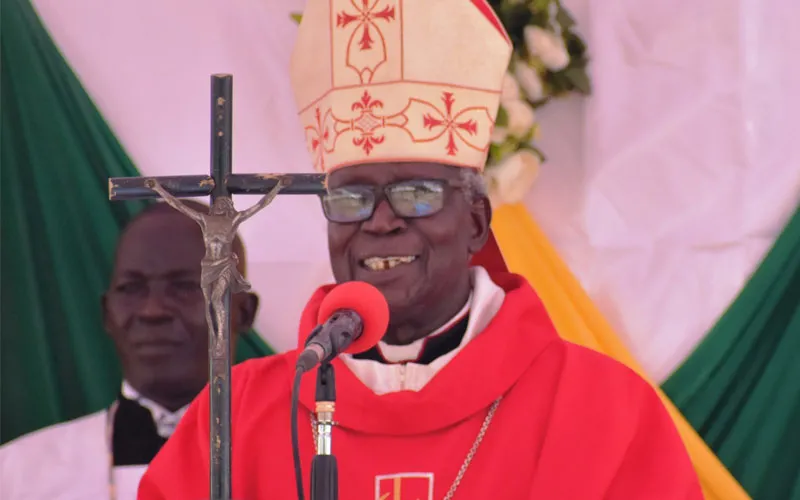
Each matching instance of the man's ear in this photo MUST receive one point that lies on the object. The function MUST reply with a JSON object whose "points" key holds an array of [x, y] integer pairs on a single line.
{"points": [[248, 307], [481, 218]]}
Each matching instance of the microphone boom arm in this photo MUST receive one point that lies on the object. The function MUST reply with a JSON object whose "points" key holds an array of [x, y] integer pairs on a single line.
{"points": [[331, 339]]}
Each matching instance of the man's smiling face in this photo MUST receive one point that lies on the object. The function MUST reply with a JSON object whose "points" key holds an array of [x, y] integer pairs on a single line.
{"points": [[418, 260]]}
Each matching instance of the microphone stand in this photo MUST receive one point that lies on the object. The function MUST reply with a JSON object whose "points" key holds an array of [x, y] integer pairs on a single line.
{"points": [[324, 470]]}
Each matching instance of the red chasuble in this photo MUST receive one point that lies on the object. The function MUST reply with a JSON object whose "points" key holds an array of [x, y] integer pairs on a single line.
{"points": [[570, 424]]}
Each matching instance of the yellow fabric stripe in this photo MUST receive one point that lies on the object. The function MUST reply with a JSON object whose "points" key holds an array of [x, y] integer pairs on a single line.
{"points": [[528, 252]]}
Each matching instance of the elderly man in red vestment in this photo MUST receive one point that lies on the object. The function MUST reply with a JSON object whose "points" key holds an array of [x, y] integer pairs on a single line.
{"points": [[471, 394]]}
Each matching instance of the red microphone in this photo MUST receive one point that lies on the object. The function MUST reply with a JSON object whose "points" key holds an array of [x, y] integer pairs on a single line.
{"points": [[352, 318]]}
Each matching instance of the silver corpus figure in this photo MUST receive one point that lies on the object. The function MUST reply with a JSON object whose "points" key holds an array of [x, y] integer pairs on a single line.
{"points": [[219, 266]]}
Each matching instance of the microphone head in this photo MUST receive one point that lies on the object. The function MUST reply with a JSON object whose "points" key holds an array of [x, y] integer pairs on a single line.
{"points": [[368, 302]]}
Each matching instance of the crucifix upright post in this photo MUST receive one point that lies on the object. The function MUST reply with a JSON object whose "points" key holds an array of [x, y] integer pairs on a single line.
{"points": [[219, 342], [219, 272]]}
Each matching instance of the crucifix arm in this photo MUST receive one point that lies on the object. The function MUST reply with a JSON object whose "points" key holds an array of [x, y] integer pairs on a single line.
{"points": [[172, 200], [263, 202]]}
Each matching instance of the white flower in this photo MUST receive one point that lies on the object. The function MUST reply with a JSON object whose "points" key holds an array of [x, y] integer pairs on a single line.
{"points": [[510, 181], [510, 91], [499, 134], [529, 80], [547, 46], [520, 117]]}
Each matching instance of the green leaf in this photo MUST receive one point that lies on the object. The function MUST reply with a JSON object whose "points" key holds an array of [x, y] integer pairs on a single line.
{"points": [[502, 117], [565, 19], [514, 19], [575, 45], [497, 6], [534, 150], [540, 18], [579, 79], [556, 81], [297, 17], [536, 63], [498, 152], [494, 154], [538, 6], [529, 135], [578, 62]]}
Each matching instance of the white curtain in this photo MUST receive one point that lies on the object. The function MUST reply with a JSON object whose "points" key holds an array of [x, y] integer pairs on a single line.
{"points": [[667, 186], [662, 192]]}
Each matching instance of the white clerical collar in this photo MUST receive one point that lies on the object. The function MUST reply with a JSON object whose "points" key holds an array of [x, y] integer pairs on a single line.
{"points": [[165, 420], [484, 303], [411, 352]]}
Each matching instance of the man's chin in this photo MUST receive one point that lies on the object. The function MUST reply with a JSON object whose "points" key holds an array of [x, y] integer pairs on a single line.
{"points": [[403, 302], [395, 290]]}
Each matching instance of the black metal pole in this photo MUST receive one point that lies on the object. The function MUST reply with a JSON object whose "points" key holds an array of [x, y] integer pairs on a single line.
{"points": [[324, 468], [219, 346]]}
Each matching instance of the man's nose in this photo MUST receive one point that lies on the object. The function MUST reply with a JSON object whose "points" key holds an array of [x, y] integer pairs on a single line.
{"points": [[384, 220], [156, 306]]}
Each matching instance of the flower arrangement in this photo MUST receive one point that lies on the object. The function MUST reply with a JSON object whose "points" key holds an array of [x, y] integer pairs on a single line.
{"points": [[549, 61]]}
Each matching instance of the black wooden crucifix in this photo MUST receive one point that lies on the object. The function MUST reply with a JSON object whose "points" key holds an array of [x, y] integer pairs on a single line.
{"points": [[219, 276]]}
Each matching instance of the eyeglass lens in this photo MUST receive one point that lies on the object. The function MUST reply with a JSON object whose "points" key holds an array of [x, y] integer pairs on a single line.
{"points": [[410, 199]]}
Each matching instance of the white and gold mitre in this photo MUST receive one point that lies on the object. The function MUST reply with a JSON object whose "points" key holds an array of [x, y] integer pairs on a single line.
{"points": [[399, 80]]}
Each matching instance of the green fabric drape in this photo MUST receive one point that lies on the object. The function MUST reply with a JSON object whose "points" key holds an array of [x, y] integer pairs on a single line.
{"points": [[58, 235], [251, 345], [741, 387]]}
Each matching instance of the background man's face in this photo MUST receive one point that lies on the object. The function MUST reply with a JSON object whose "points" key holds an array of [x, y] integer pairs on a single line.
{"points": [[154, 309]]}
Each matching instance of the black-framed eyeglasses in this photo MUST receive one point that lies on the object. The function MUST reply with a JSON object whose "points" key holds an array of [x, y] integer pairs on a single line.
{"points": [[408, 199]]}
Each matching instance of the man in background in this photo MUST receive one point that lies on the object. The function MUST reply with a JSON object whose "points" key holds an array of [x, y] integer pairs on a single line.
{"points": [[154, 312]]}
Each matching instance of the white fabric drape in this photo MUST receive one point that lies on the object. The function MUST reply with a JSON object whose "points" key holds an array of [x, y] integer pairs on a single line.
{"points": [[667, 187], [663, 190]]}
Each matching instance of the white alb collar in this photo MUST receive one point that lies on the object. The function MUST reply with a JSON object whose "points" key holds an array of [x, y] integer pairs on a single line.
{"points": [[484, 303], [165, 420]]}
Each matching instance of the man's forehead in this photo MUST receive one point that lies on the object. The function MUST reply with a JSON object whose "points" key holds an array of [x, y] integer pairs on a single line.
{"points": [[160, 240], [154, 226], [164, 241]]}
